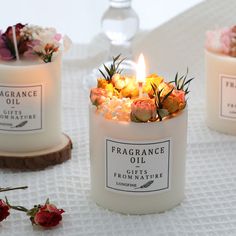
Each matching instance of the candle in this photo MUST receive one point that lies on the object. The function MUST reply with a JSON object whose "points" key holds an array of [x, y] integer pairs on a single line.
{"points": [[220, 64], [30, 103], [136, 154], [141, 74], [30, 94], [137, 146]]}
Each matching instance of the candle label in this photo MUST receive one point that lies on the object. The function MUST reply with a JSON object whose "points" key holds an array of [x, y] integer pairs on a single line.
{"points": [[21, 109], [138, 167], [227, 97]]}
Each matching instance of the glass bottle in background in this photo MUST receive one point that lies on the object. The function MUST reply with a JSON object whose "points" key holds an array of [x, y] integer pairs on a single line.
{"points": [[120, 23]]}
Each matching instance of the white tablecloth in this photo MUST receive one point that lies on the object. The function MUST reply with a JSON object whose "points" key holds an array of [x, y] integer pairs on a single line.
{"points": [[210, 204]]}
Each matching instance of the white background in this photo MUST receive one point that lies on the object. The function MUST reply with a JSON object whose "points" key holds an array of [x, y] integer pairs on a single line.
{"points": [[80, 19]]}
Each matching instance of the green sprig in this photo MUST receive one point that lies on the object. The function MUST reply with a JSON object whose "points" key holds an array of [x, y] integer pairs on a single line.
{"points": [[159, 101], [182, 83], [113, 69]]}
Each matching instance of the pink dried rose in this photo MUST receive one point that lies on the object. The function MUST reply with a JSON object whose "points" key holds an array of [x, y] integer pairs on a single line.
{"points": [[48, 42], [4, 210], [143, 110], [226, 38], [219, 40], [30, 53], [57, 37], [33, 42], [98, 96]]}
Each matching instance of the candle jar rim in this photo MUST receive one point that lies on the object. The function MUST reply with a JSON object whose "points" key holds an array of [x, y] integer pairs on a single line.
{"points": [[12, 64], [176, 115], [220, 55]]}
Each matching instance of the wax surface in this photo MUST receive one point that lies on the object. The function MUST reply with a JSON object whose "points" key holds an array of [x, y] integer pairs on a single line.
{"points": [[220, 67], [136, 202], [47, 79]]}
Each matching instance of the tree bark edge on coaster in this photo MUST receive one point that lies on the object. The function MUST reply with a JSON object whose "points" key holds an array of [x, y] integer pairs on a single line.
{"points": [[38, 160]]}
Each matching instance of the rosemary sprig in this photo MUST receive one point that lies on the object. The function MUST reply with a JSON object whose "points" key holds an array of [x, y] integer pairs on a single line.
{"points": [[113, 69], [182, 83], [159, 100], [9, 188]]}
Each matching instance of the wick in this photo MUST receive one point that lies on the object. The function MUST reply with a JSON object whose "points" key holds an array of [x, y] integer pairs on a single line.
{"points": [[140, 87], [15, 42]]}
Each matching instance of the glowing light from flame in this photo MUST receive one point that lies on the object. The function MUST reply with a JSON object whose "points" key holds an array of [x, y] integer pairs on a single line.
{"points": [[141, 69]]}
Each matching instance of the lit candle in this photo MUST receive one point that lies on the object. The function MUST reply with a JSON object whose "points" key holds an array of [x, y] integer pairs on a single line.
{"points": [[137, 162], [141, 73]]}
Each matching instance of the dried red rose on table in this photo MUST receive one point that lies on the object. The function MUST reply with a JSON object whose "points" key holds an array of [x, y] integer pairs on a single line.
{"points": [[4, 210], [47, 215]]}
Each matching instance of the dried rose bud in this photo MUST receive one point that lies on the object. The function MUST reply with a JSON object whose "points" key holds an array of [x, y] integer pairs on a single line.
{"points": [[4, 210], [143, 110], [119, 81], [47, 216], [101, 83], [179, 95], [175, 102], [165, 87], [98, 96], [152, 79], [109, 90], [131, 90]]}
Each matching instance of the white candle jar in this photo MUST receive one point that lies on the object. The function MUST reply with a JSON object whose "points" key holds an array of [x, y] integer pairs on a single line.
{"points": [[138, 168], [220, 92], [30, 106]]}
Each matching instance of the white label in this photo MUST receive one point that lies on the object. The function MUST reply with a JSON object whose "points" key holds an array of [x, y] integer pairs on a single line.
{"points": [[138, 167], [227, 97], [21, 109]]}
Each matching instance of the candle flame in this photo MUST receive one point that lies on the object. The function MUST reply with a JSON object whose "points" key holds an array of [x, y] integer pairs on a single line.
{"points": [[141, 69]]}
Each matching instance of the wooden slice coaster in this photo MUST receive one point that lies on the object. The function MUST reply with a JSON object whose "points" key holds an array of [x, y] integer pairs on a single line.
{"points": [[37, 160]]}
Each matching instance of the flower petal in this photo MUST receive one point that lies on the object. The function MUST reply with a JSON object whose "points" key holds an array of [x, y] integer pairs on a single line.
{"points": [[5, 54]]}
